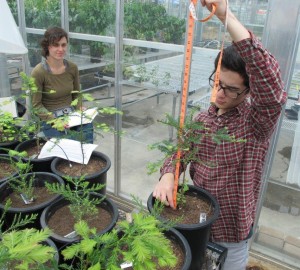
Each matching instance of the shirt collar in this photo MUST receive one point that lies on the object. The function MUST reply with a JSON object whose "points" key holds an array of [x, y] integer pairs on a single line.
{"points": [[46, 66], [240, 109]]}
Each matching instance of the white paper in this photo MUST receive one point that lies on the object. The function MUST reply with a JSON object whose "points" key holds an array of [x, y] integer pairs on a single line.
{"points": [[74, 118], [67, 149]]}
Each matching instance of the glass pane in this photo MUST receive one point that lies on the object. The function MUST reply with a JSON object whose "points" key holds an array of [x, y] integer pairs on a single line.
{"points": [[42, 14], [92, 50], [279, 223], [92, 17], [278, 233], [14, 9], [152, 79]]}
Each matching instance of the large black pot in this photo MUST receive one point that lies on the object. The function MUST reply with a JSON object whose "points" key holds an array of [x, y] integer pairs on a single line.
{"points": [[38, 164], [62, 241], [50, 243], [39, 181], [175, 235], [8, 146], [96, 178], [7, 159], [197, 235]]}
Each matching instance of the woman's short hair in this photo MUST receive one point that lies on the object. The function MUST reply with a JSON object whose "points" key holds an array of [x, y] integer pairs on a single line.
{"points": [[52, 36], [232, 61]]}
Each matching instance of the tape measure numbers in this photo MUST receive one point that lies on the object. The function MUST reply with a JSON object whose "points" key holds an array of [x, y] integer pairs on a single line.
{"points": [[185, 86]]}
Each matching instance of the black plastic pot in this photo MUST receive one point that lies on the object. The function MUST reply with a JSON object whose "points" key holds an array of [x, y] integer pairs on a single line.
{"points": [[38, 164], [50, 243], [175, 235], [6, 158], [96, 178], [8, 146], [197, 235], [39, 181], [62, 241]]}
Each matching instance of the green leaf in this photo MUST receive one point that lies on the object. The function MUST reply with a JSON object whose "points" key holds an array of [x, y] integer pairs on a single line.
{"points": [[95, 267]]}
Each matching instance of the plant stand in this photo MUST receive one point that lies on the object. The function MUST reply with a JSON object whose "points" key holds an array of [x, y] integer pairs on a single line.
{"points": [[215, 256]]}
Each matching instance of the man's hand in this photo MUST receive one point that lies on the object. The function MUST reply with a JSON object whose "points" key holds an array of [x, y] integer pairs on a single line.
{"points": [[236, 30], [163, 191], [220, 10]]}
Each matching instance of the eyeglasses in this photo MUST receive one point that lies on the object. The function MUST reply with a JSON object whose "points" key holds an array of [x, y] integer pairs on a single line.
{"points": [[230, 92]]}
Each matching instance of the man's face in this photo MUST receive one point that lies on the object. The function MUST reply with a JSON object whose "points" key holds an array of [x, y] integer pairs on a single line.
{"points": [[234, 86]]}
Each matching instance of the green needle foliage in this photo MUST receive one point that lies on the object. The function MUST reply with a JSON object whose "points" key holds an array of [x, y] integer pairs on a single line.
{"points": [[29, 88], [140, 242], [21, 183], [24, 249], [191, 133], [18, 221], [78, 192], [11, 128]]}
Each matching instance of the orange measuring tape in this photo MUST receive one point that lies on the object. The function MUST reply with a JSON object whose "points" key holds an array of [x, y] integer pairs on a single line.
{"points": [[185, 86]]}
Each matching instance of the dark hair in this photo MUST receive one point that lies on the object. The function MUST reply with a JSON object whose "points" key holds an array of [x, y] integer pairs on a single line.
{"points": [[232, 61], [51, 36]]}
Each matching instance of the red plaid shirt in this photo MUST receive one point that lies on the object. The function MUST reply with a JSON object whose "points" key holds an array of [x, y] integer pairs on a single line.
{"points": [[235, 176]]}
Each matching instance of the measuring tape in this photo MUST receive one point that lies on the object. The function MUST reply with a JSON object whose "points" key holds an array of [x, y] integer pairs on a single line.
{"points": [[185, 86]]}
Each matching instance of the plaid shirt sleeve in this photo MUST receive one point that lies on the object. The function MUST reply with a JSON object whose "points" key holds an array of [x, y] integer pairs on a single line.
{"points": [[266, 87]]}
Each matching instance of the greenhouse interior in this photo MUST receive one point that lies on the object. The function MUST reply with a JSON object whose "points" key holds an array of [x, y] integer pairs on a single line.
{"points": [[132, 60]]}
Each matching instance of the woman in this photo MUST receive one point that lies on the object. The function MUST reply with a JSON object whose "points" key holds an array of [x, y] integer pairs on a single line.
{"points": [[56, 79]]}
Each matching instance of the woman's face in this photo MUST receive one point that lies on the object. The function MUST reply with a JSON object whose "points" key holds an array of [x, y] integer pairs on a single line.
{"points": [[58, 49]]}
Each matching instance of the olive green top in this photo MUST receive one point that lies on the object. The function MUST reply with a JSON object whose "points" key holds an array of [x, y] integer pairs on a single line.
{"points": [[63, 84]]}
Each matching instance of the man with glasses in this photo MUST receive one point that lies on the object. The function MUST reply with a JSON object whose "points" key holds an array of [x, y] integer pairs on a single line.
{"points": [[248, 103]]}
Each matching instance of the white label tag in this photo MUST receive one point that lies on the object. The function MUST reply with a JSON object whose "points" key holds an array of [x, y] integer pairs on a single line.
{"points": [[125, 265], [71, 235], [26, 200], [202, 217], [128, 217]]}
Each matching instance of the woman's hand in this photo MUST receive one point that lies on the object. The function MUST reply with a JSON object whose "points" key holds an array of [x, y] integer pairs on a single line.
{"points": [[163, 191]]}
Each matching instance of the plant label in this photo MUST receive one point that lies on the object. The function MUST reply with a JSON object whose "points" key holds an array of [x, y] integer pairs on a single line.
{"points": [[128, 217], [71, 235], [202, 217], [125, 265], [26, 200]]}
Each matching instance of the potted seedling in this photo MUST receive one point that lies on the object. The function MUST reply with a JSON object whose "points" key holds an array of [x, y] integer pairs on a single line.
{"points": [[12, 131], [198, 207], [34, 144], [26, 190], [7, 166], [80, 201], [140, 242], [25, 248], [93, 164]]}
